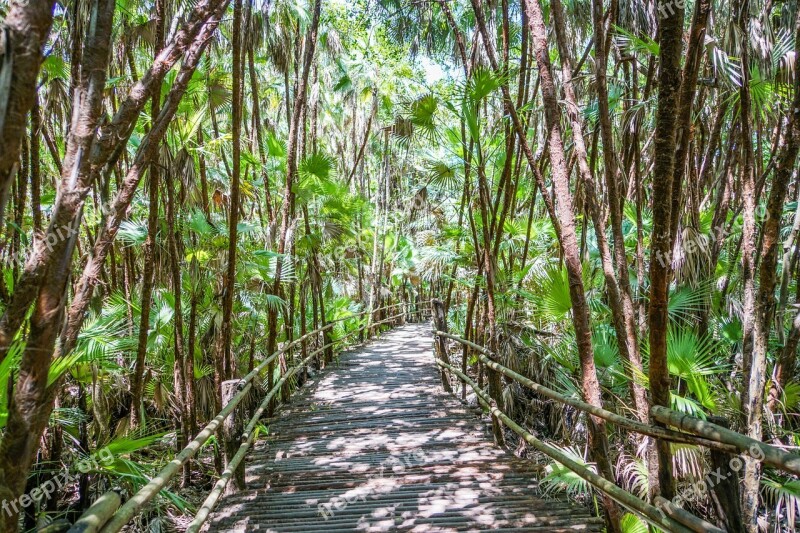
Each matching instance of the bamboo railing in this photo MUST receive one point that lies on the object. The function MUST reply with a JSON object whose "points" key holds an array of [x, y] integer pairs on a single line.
{"points": [[208, 505], [107, 516], [687, 430]]}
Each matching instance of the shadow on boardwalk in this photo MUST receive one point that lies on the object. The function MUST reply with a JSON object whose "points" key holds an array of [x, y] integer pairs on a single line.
{"points": [[374, 444]]}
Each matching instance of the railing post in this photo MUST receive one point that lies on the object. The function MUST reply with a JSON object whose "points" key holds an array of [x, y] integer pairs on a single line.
{"points": [[440, 324], [232, 434], [303, 345], [326, 342], [724, 481]]}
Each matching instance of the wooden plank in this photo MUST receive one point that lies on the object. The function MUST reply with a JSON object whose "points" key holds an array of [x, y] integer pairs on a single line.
{"points": [[376, 444]]}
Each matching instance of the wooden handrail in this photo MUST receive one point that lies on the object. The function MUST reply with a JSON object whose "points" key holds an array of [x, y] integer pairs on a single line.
{"points": [[700, 432], [619, 420], [771, 455], [692, 430], [216, 493], [648, 512], [126, 512], [98, 514]]}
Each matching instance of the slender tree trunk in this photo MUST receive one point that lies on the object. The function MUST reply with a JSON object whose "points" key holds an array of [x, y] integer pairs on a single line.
{"points": [[624, 318], [201, 163], [598, 441], [671, 43], [27, 26], [36, 167], [363, 145], [517, 123], [788, 357], [31, 401], [784, 367], [788, 264], [137, 385], [684, 130], [190, 356], [753, 347], [125, 194], [755, 365], [251, 63], [181, 379], [291, 171], [233, 215], [20, 199], [99, 151]]}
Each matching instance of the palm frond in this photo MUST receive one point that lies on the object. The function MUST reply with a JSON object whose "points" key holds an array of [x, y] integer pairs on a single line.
{"points": [[562, 479]]}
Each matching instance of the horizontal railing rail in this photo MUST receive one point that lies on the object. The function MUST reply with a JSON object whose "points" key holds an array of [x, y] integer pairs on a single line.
{"points": [[688, 430], [108, 516], [210, 502], [649, 512], [633, 425]]}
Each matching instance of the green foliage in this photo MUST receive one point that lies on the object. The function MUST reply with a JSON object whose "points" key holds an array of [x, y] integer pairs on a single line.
{"points": [[551, 292], [632, 524], [317, 165], [441, 179], [562, 479], [783, 495], [630, 42]]}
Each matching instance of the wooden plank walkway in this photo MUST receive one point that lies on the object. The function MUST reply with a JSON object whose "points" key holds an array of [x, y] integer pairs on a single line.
{"points": [[374, 444]]}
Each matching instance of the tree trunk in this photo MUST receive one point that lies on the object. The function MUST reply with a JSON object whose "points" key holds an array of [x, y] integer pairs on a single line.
{"points": [[233, 214], [684, 129], [36, 168], [440, 324], [99, 151], [182, 380], [26, 29], [137, 385], [291, 171], [125, 194], [762, 303], [671, 43], [31, 401], [753, 351], [623, 317], [251, 64], [190, 357], [598, 442]]}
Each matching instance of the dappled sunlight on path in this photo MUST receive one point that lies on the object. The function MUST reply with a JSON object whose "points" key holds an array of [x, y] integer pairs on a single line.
{"points": [[374, 444]]}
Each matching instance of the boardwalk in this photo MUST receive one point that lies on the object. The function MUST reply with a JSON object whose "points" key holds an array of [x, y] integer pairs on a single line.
{"points": [[375, 445]]}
